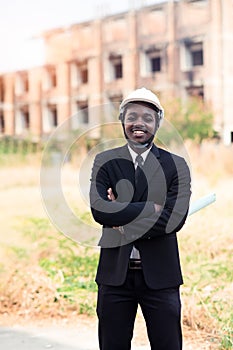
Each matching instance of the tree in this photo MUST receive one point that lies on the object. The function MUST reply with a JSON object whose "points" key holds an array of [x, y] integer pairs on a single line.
{"points": [[192, 119]]}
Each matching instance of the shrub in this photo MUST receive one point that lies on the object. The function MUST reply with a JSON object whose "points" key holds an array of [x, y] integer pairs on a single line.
{"points": [[192, 119]]}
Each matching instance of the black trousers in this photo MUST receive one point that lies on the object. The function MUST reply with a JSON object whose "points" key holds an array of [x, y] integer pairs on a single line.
{"points": [[117, 308]]}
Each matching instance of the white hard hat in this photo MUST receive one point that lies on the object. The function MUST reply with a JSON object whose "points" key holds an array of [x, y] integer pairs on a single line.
{"points": [[143, 95]]}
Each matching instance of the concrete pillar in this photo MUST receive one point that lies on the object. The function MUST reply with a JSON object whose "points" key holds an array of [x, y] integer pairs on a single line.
{"points": [[130, 63], [95, 69], [9, 105], [172, 53], [218, 66], [213, 61], [35, 102], [63, 92], [227, 68]]}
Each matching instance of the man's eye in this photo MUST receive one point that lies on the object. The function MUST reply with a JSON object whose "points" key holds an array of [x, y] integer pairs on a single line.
{"points": [[130, 118], [148, 119]]}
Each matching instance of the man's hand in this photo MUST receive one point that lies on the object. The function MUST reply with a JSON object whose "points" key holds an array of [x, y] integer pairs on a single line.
{"points": [[157, 207], [111, 196]]}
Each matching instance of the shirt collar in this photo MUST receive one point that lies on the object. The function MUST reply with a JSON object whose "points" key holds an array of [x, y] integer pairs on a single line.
{"points": [[134, 154]]}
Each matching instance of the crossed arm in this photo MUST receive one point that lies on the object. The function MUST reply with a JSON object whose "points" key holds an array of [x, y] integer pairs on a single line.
{"points": [[143, 219], [111, 197]]}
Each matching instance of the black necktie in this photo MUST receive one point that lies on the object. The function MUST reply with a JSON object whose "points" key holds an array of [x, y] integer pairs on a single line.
{"points": [[138, 170]]}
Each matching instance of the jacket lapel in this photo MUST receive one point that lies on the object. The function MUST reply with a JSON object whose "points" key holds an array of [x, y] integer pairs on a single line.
{"points": [[127, 171], [150, 167]]}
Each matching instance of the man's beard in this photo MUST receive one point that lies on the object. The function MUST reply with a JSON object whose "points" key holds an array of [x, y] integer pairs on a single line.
{"points": [[138, 144]]}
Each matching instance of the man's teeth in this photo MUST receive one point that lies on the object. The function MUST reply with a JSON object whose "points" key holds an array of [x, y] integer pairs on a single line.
{"points": [[138, 132]]}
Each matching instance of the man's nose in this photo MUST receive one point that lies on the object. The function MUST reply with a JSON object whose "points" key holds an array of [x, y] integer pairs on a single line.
{"points": [[139, 121]]}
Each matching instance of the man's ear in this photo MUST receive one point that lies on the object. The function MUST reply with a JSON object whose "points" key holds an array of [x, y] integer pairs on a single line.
{"points": [[157, 124], [121, 117]]}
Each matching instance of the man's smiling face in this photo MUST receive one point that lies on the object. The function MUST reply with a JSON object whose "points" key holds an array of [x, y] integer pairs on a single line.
{"points": [[140, 122]]}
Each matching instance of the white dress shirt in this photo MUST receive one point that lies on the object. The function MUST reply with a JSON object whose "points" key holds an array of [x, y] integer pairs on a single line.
{"points": [[135, 253]]}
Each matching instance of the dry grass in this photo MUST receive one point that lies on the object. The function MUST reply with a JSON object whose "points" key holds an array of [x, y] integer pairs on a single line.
{"points": [[206, 246]]}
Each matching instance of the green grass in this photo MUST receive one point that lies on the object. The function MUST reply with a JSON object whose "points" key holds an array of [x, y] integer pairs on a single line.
{"points": [[71, 267]]}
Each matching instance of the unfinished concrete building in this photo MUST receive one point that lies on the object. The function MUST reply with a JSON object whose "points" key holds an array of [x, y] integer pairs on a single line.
{"points": [[180, 48]]}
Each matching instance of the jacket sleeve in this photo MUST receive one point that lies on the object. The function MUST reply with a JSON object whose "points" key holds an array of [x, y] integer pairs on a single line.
{"points": [[174, 212], [112, 213]]}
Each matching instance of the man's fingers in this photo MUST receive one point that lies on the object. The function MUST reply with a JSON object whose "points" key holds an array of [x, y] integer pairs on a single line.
{"points": [[111, 195], [158, 207]]}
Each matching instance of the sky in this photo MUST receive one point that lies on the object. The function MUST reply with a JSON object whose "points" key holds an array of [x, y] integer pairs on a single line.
{"points": [[22, 22]]}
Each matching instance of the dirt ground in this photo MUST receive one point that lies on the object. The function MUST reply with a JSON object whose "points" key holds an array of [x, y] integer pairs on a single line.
{"points": [[80, 332], [20, 198]]}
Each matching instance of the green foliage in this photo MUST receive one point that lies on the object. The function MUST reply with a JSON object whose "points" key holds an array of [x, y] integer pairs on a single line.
{"points": [[71, 267], [20, 252], [227, 339], [76, 272], [13, 145], [87, 307], [14, 151], [192, 119]]}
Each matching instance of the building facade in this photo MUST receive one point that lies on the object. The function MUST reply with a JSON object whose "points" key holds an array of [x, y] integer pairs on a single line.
{"points": [[177, 48]]}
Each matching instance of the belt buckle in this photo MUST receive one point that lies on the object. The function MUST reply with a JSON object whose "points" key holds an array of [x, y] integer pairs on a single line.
{"points": [[135, 264]]}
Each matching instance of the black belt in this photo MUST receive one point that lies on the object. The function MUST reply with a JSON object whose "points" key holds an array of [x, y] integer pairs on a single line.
{"points": [[135, 264]]}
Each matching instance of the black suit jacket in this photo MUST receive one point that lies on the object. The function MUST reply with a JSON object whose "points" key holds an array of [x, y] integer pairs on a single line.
{"points": [[165, 181]]}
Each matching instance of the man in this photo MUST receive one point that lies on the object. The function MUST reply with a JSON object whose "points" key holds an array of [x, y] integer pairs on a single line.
{"points": [[142, 202]]}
